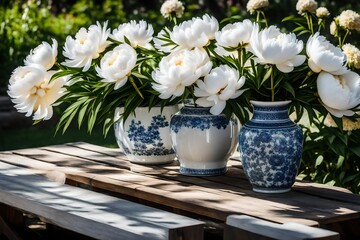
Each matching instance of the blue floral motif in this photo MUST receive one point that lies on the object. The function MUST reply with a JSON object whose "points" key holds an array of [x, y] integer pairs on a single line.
{"points": [[143, 137], [199, 118], [270, 153]]}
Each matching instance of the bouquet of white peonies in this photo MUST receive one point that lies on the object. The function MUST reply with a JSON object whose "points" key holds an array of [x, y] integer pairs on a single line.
{"points": [[221, 67]]}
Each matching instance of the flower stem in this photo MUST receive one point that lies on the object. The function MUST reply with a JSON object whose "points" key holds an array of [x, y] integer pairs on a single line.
{"points": [[257, 16], [241, 61], [265, 19], [343, 40], [310, 23], [272, 84]]}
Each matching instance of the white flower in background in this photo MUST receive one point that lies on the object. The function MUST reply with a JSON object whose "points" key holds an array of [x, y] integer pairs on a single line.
{"points": [[32, 92], [353, 55], [179, 70], [306, 6], [234, 34], [161, 44], [270, 46], [221, 84], [254, 5], [170, 7], [44, 55], [324, 56], [333, 28], [116, 65], [87, 45], [348, 125], [138, 34], [322, 12], [350, 20], [339, 93], [195, 33]]}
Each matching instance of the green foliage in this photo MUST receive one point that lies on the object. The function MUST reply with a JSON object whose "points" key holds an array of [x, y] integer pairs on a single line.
{"points": [[331, 156]]}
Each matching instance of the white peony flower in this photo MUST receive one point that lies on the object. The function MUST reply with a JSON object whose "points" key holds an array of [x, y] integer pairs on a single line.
{"points": [[172, 6], [350, 20], [339, 93], [333, 28], [352, 54], [138, 34], [306, 6], [254, 5], [322, 12], [44, 55], [195, 33], [323, 56], [87, 45], [270, 46], [179, 70], [221, 84], [33, 93], [235, 34], [116, 65]]}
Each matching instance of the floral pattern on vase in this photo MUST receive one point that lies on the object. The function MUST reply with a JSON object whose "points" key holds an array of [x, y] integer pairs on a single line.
{"points": [[203, 142], [144, 137], [270, 146]]}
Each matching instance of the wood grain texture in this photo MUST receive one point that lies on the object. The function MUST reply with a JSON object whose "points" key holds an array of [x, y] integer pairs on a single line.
{"points": [[266, 229], [89, 213], [107, 169]]}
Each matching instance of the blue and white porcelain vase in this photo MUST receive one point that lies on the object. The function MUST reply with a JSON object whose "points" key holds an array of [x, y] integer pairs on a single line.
{"points": [[270, 146], [145, 135], [203, 142]]}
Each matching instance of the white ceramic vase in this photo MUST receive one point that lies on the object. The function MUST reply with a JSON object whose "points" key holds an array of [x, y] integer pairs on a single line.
{"points": [[145, 135], [203, 142]]}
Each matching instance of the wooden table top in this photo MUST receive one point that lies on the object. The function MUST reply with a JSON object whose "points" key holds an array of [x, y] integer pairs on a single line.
{"points": [[209, 198]]}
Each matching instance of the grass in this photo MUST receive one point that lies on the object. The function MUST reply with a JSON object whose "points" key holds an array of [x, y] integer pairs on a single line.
{"points": [[38, 136]]}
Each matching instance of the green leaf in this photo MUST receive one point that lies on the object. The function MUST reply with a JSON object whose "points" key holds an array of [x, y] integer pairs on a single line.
{"points": [[319, 160], [355, 150], [267, 76], [340, 162], [82, 113], [93, 115]]}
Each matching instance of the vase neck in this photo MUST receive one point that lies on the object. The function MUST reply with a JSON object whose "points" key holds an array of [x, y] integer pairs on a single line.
{"points": [[195, 110], [273, 115]]}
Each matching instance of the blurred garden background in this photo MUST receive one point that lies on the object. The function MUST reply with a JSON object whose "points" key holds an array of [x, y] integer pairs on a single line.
{"points": [[331, 156]]}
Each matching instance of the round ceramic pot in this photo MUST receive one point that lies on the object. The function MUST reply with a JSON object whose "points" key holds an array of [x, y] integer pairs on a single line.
{"points": [[145, 135], [270, 146], [203, 142]]}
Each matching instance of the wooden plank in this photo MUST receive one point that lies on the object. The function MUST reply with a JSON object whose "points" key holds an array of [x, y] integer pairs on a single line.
{"points": [[278, 207], [211, 204], [270, 230], [89, 213]]}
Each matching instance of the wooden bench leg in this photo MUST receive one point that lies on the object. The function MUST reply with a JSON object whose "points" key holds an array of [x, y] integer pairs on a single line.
{"points": [[7, 231]]}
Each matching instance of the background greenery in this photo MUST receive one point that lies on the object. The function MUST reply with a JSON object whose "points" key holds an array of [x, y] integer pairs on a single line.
{"points": [[330, 156]]}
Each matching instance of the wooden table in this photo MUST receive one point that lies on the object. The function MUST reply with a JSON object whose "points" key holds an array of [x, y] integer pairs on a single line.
{"points": [[210, 199]]}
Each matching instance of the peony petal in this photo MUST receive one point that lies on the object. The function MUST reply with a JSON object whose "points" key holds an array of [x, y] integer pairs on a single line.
{"points": [[218, 108], [283, 67], [204, 103], [313, 66]]}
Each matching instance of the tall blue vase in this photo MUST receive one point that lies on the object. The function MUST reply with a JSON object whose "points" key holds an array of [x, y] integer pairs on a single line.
{"points": [[270, 146]]}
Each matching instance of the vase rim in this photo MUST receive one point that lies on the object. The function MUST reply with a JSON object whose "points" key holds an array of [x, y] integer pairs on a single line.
{"points": [[269, 103]]}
